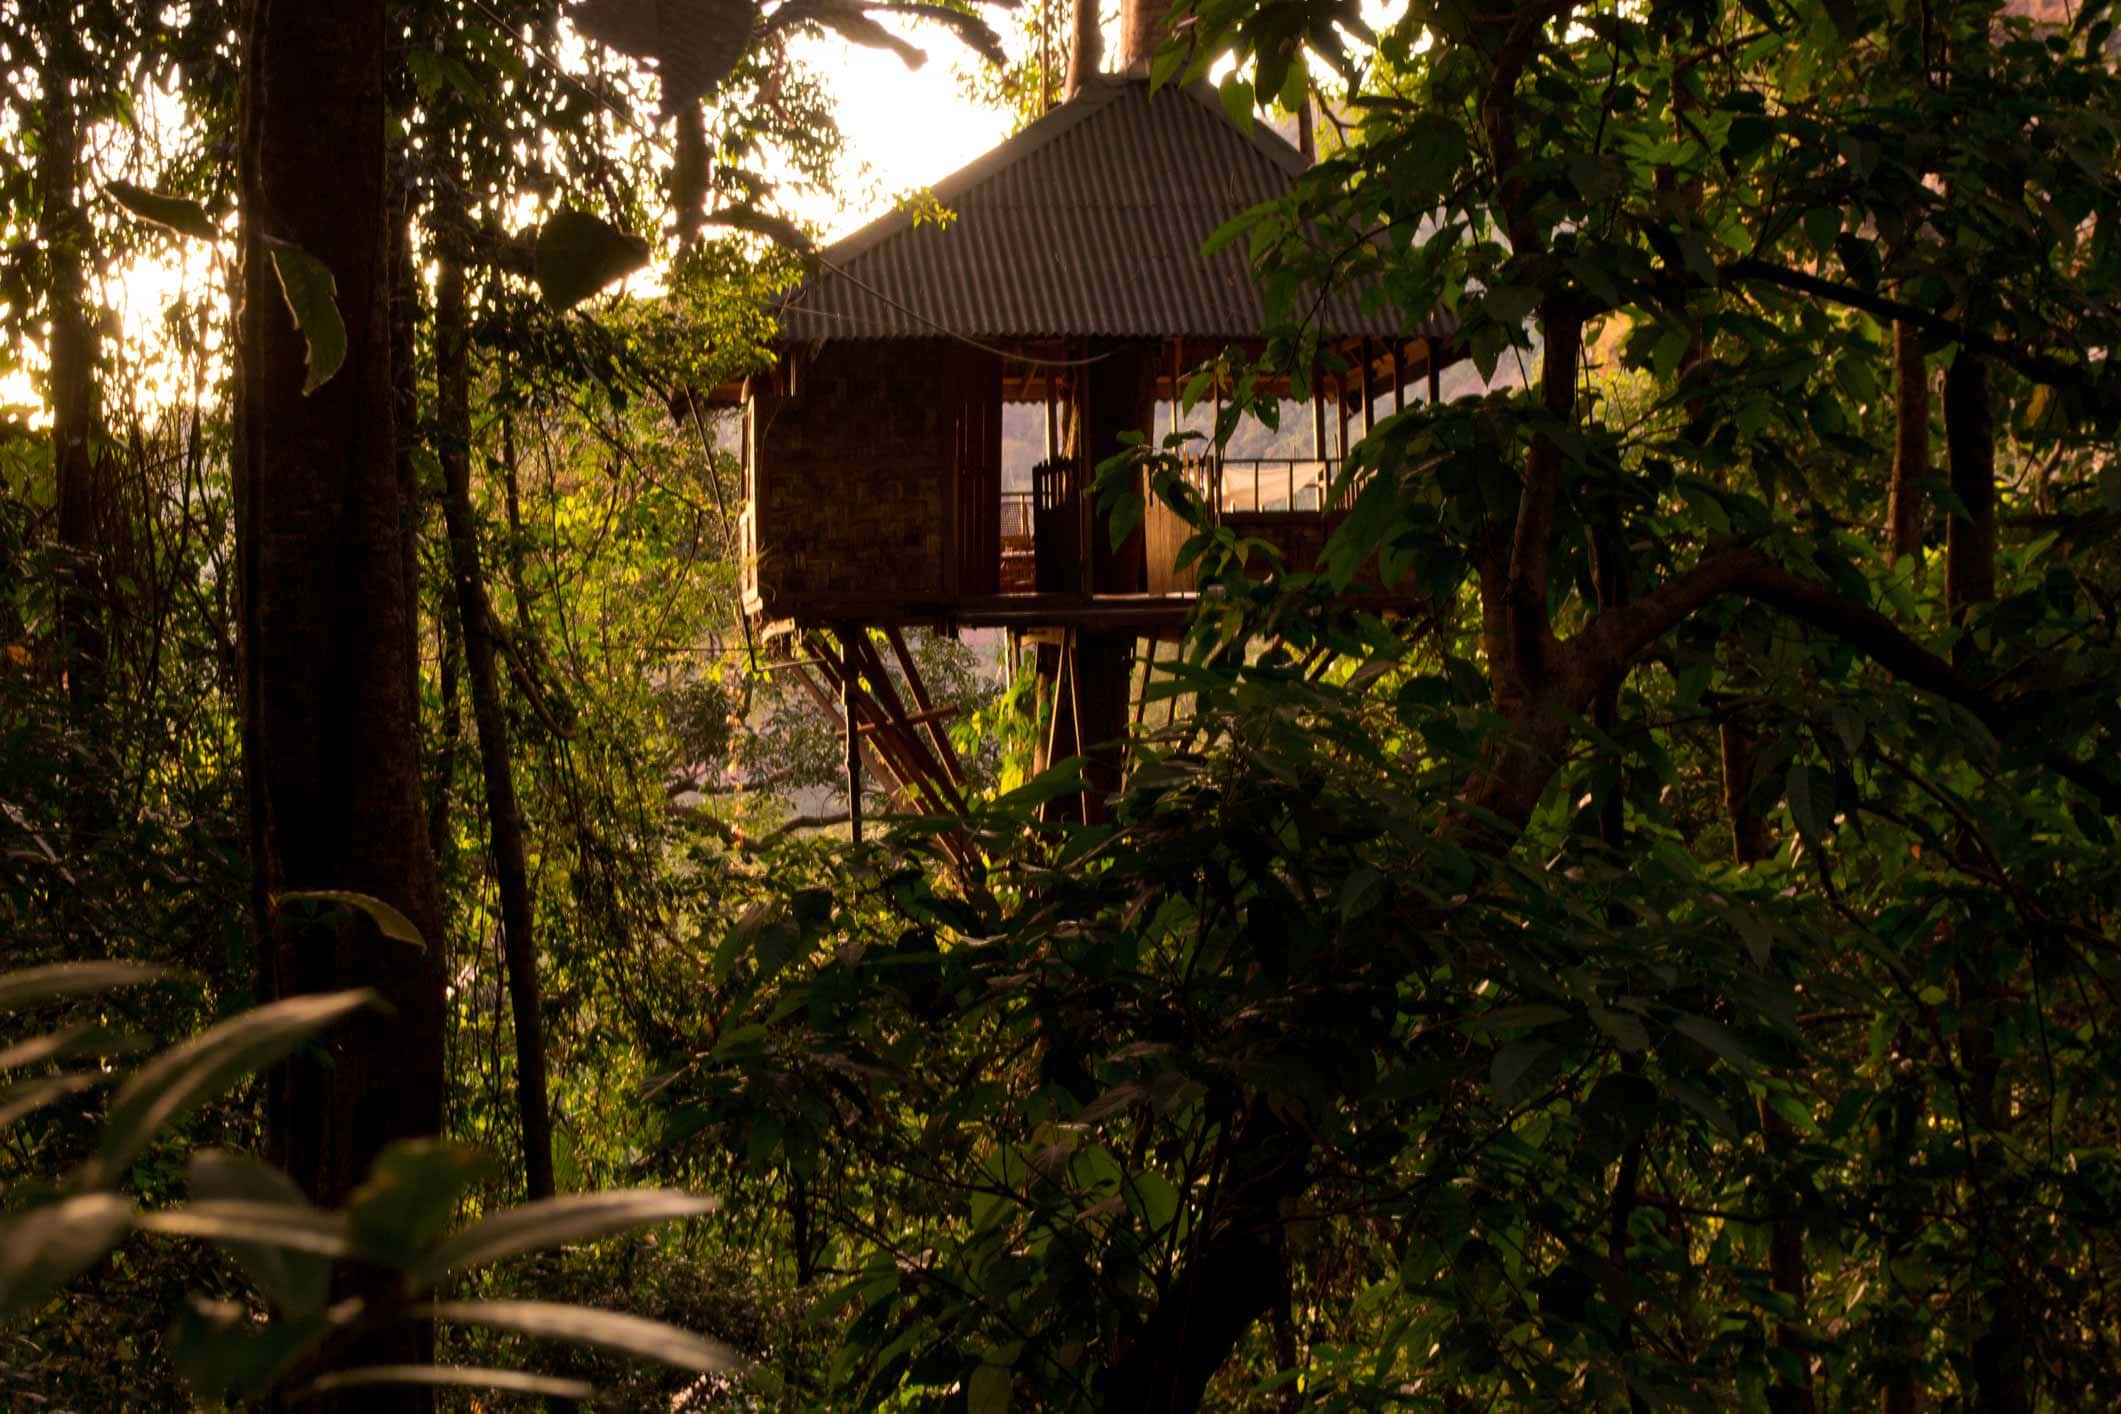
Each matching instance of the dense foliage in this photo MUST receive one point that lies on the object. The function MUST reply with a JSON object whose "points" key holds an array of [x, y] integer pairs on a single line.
{"points": [[1675, 968]]}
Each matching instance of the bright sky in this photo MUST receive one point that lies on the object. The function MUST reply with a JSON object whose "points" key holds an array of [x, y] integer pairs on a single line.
{"points": [[910, 127], [913, 127], [906, 129]]}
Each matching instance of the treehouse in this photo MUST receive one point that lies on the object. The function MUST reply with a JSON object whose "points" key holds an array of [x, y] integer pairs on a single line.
{"points": [[947, 385]]}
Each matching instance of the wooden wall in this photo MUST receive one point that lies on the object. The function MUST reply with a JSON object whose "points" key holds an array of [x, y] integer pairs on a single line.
{"points": [[868, 464]]}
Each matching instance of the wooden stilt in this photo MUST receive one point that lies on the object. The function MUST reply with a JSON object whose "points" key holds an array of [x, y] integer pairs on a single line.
{"points": [[827, 695], [938, 735], [1399, 378], [1141, 699], [1318, 417], [900, 725], [1435, 372], [892, 745], [1369, 400], [854, 739], [1045, 701], [1102, 677]]}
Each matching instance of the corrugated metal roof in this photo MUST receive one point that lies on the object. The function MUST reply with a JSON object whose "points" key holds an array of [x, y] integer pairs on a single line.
{"points": [[1089, 222]]}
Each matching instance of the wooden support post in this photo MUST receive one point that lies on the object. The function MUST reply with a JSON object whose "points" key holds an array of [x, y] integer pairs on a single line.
{"points": [[892, 751], [827, 698], [1085, 457], [1369, 400], [1178, 363], [1048, 663], [937, 734], [1101, 677], [848, 693], [1318, 416], [1063, 738], [1141, 700], [1399, 377], [1435, 372], [926, 767]]}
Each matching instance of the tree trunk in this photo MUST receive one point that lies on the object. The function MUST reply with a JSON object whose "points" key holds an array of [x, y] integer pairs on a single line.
{"points": [[504, 820], [1970, 442], [1233, 1277], [72, 352], [1143, 24], [1086, 47], [1999, 1349], [330, 673], [1741, 752], [1911, 442]]}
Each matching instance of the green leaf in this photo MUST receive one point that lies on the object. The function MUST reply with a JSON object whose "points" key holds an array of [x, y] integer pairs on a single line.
{"points": [[410, 1196], [32, 985], [1811, 796], [1236, 94], [1513, 1064], [578, 254], [45, 1247], [294, 1277], [557, 1222], [1821, 225], [175, 213], [1716, 1037], [186, 1076], [312, 297], [453, 1377], [1154, 1197], [1510, 304], [388, 920], [633, 1335], [989, 1390]]}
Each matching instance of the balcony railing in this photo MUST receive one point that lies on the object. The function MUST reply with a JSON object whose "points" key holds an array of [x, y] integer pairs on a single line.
{"points": [[1286, 485], [1016, 515], [1039, 527]]}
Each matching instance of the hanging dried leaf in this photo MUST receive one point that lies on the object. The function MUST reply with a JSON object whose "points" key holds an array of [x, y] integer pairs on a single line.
{"points": [[176, 213], [578, 254], [693, 44], [312, 297]]}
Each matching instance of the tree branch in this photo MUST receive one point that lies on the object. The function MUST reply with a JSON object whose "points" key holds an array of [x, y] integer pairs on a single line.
{"points": [[2037, 367], [1616, 637]]}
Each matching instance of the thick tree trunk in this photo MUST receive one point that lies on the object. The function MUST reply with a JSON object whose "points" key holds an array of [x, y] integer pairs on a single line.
{"points": [[503, 818], [450, 653], [1970, 442], [72, 351], [1234, 1276], [1086, 47], [1999, 1348], [331, 738], [1740, 753], [1143, 24], [1911, 442]]}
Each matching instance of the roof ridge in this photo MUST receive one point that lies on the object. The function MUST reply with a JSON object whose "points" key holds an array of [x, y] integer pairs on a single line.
{"points": [[1043, 131], [1069, 227]]}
